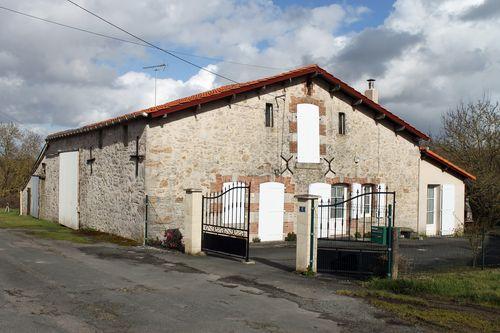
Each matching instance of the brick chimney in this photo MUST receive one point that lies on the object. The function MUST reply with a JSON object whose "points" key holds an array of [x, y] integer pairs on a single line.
{"points": [[371, 92]]}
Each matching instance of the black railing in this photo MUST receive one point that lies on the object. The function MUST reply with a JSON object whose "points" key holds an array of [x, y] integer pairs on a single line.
{"points": [[225, 221], [354, 218], [355, 234]]}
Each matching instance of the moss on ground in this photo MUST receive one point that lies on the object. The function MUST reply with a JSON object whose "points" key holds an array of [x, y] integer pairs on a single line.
{"points": [[460, 301], [50, 230]]}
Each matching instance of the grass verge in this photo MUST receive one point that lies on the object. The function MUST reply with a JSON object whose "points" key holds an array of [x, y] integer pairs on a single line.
{"points": [[50, 230], [460, 301]]}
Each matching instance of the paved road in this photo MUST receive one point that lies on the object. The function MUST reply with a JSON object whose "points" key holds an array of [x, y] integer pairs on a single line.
{"points": [[427, 255], [54, 286]]}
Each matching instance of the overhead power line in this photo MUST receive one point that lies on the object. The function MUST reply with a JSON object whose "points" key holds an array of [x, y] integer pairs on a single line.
{"points": [[151, 44], [98, 34]]}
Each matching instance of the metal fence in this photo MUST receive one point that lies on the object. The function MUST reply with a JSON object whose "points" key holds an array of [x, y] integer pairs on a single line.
{"points": [[355, 234], [225, 221]]}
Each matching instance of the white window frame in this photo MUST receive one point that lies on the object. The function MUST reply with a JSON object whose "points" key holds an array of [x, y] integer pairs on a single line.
{"points": [[367, 200], [333, 213], [434, 205]]}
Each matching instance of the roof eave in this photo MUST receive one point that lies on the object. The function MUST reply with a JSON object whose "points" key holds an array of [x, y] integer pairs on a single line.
{"points": [[441, 160]]}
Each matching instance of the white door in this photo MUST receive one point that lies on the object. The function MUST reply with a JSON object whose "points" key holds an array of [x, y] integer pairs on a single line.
{"points": [[431, 217], [233, 213], [34, 197], [68, 189], [271, 211], [448, 210], [324, 191]]}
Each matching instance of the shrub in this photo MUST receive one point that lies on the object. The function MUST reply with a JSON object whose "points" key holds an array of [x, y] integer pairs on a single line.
{"points": [[291, 237], [173, 240], [357, 235], [256, 240], [153, 242]]}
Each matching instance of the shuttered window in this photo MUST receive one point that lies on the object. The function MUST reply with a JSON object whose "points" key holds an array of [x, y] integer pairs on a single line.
{"points": [[307, 133]]}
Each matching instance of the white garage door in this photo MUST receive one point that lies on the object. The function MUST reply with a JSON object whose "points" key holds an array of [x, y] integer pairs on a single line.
{"points": [[34, 196], [271, 211], [68, 189], [324, 191], [448, 210]]}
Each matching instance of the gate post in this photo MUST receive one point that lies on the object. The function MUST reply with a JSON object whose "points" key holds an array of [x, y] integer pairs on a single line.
{"points": [[306, 251], [192, 221]]}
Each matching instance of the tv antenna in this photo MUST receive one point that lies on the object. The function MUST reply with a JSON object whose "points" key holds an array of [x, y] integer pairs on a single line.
{"points": [[156, 68]]}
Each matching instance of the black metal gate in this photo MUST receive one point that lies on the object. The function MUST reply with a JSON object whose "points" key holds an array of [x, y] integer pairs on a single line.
{"points": [[225, 221], [355, 234]]}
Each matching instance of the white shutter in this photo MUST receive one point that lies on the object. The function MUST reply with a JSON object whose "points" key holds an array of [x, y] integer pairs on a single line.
{"points": [[357, 203], [447, 209], [307, 133], [381, 200], [325, 192]]}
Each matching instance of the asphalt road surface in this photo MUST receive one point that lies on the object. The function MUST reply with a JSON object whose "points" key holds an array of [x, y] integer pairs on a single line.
{"points": [[55, 286]]}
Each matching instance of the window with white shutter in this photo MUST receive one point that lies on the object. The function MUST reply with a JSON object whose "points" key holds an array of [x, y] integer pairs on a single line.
{"points": [[307, 133]]}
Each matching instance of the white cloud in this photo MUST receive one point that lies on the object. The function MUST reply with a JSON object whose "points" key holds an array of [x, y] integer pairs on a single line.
{"points": [[426, 56]]}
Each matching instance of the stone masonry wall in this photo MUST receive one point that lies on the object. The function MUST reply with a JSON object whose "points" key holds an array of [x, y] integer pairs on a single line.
{"points": [[111, 198], [228, 141]]}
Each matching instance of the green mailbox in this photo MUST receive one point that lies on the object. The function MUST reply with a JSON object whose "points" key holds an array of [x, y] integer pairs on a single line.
{"points": [[379, 235]]}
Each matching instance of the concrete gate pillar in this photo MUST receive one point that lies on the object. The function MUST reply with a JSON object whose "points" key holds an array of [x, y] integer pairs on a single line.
{"points": [[192, 221], [307, 246]]}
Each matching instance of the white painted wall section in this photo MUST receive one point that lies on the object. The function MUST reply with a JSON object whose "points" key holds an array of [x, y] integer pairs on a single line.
{"points": [[68, 189], [307, 133], [271, 211]]}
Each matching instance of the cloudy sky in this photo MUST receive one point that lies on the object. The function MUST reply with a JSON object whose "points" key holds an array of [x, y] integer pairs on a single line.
{"points": [[426, 55]]}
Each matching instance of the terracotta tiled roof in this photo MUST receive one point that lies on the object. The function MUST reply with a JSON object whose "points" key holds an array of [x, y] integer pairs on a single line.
{"points": [[232, 89], [444, 162]]}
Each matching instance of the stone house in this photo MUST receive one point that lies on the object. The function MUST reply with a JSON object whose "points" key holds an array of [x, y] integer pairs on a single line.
{"points": [[302, 131]]}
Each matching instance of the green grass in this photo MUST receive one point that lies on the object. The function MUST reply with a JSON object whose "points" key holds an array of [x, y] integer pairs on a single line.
{"points": [[473, 286], [452, 301], [50, 230]]}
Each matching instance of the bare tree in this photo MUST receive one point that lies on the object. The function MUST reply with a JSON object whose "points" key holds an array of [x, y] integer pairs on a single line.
{"points": [[18, 150], [471, 137]]}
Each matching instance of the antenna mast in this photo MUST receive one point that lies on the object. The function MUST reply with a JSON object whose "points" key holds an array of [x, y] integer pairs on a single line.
{"points": [[156, 68]]}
